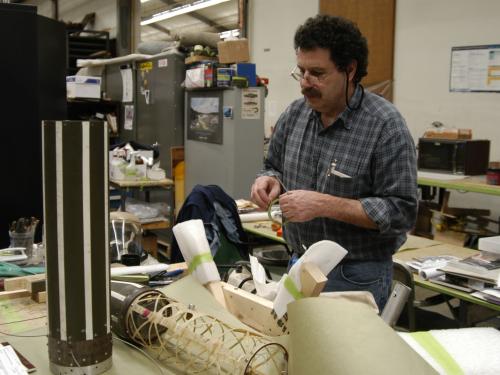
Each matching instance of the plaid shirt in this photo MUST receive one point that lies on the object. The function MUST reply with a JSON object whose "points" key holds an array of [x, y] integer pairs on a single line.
{"points": [[374, 147]]}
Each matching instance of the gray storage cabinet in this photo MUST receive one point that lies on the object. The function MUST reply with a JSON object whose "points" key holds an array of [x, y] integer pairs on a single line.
{"points": [[233, 161]]}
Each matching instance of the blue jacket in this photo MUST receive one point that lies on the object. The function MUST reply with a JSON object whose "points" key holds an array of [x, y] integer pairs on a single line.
{"points": [[219, 214]]}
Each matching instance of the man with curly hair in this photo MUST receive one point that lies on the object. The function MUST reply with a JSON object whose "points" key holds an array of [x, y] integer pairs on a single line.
{"points": [[341, 161]]}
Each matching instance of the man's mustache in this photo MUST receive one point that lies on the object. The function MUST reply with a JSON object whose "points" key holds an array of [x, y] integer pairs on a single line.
{"points": [[311, 92]]}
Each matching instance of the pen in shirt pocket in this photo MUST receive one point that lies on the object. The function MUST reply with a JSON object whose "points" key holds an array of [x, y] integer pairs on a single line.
{"points": [[335, 172]]}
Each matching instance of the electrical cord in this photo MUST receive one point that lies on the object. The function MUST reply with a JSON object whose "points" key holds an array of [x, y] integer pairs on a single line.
{"points": [[346, 94], [14, 335]]}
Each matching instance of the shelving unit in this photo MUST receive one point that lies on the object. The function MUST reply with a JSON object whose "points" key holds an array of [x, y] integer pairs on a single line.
{"points": [[85, 44]]}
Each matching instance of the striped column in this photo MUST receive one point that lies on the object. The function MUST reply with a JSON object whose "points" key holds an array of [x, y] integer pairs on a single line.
{"points": [[75, 191]]}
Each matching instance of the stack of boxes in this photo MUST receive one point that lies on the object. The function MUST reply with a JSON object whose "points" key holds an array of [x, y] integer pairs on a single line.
{"points": [[233, 68]]}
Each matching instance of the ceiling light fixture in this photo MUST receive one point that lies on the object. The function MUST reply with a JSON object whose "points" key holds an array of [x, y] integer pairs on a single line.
{"points": [[181, 10]]}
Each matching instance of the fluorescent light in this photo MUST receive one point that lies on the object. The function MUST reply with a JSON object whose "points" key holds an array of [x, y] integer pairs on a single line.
{"points": [[181, 10], [229, 33], [144, 1]]}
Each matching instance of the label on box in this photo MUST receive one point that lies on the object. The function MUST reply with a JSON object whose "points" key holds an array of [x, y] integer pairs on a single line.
{"points": [[146, 65], [162, 63]]}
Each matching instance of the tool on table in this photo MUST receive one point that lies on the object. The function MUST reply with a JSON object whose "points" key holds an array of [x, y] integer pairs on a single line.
{"points": [[13, 254]]}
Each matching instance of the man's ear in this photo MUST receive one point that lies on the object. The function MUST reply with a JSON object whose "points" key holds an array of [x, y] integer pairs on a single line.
{"points": [[351, 69]]}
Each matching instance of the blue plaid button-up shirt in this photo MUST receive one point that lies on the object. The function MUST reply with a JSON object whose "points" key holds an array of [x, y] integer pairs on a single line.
{"points": [[374, 147]]}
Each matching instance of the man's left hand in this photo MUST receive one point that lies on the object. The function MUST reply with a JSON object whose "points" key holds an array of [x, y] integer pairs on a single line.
{"points": [[300, 205]]}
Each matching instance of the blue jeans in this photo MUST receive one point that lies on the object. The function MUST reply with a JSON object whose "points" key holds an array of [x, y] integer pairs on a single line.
{"points": [[372, 276]]}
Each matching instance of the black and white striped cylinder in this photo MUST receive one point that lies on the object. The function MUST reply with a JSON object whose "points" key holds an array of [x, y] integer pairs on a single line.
{"points": [[75, 193]]}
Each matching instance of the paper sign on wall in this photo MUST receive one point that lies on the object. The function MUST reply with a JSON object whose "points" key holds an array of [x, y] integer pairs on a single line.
{"points": [[128, 88], [250, 104], [475, 68], [129, 117]]}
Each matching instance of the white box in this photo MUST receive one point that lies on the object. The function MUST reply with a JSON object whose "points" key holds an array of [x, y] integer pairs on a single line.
{"points": [[83, 87], [490, 244]]}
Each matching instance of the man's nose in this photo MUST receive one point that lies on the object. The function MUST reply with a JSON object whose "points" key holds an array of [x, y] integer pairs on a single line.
{"points": [[305, 82]]}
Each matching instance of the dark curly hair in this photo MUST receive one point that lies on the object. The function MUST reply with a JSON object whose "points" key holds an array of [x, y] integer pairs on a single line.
{"points": [[339, 35]]}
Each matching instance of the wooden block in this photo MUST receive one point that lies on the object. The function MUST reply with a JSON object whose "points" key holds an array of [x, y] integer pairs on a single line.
{"points": [[39, 297], [254, 311], [11, 294], [15, 283], [312, 279], [36, 286]]}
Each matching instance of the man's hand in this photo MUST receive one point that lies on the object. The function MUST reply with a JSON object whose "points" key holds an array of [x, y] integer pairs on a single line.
{"points": [[301, 205], [264, 190]]}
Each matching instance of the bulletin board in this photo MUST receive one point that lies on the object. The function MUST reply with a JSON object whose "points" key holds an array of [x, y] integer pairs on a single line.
{"points": [[475, 68]]}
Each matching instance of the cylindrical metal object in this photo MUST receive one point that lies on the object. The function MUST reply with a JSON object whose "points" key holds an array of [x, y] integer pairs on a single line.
{"points": [[123, 295], [75, 184]]}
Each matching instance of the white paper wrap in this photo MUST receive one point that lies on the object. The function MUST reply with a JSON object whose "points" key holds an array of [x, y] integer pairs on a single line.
{"points": [[324, 254], [263, 288], [152, 268], [260, 216], [253, 216], [192, 240], [430, 273]]}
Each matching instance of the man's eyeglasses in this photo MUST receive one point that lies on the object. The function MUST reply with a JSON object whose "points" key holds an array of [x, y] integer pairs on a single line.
{"points": [[313, 77]]}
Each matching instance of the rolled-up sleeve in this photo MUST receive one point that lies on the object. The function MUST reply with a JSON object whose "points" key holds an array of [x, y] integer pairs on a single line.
{"points": [[393, 205]]}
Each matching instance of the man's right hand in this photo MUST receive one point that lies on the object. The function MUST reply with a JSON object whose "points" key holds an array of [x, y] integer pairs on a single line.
{"points": [[264, 190]]}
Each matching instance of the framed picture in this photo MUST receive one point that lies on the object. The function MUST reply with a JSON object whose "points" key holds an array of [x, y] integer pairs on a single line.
{"points": [[205, 117]]}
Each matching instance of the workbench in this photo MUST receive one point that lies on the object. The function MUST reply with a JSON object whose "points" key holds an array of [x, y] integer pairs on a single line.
{"points": [[414, 247], [473, 184]]}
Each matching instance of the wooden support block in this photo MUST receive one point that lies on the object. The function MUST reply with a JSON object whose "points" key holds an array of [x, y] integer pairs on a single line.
{"points": [[254, 311], [312, 279], [39, 297], [15, 283], [35, 286], [11, 294]]}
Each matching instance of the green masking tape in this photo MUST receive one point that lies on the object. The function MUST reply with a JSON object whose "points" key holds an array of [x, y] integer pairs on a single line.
{"points": [[199, 259], [292, 288], [436, 351]]}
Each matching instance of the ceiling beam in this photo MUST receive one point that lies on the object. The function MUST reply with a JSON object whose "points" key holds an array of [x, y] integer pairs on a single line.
{"points": [[199, 17], [160, 28]]}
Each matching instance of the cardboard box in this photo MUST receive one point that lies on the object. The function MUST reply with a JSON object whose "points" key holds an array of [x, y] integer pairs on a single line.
{"points": [[449, 134], [233, 51], [83, 87]]}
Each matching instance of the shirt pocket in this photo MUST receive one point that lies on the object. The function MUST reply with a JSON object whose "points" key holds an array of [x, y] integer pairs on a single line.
{"points": [[356, 185]]}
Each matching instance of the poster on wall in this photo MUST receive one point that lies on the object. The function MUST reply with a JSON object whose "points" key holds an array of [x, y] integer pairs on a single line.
{"points": [[250, 104], [475, 68], [204, 123]]}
